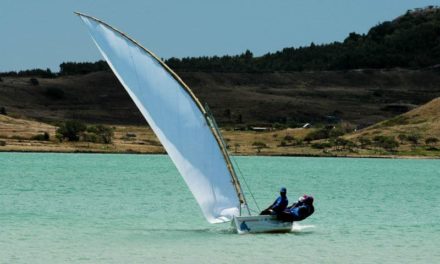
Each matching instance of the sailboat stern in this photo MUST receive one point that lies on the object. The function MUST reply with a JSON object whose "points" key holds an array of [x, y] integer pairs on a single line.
{"points": [[260, 224]]}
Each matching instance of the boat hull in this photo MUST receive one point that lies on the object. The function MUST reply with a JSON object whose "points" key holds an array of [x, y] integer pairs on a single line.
{"points": [[260, 224]]}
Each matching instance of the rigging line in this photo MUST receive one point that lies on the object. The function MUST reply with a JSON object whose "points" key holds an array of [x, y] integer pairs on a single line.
{"points": [[245, 182]]}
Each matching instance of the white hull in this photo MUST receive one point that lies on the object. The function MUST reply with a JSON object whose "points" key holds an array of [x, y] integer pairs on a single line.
{"points": [[260, 224]]}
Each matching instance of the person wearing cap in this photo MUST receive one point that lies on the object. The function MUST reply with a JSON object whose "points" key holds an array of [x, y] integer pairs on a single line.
{"points": [[299, 210], [298, 203], [279, 205]]}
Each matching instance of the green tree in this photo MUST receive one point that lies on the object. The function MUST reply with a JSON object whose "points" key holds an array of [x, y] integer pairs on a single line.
{"points": [[71, 130], [364, 142], [386, 142], [432, 141], [104, 134]]}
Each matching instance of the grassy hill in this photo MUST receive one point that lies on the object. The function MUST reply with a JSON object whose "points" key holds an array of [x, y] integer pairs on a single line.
{"points": [[415, 134], [417, 131], [361, 97]]}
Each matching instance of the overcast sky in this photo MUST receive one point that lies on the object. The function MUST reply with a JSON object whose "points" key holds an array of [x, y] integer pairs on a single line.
{"points": [[44, 33]]}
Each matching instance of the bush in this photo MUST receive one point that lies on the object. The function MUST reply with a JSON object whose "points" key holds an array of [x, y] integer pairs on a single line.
{"points": [[41, 137], [104, 134], [395, 121], [322, 145], [130, 135], [402, 137], [431, 141], [90, 137], [364, 141], [414, 138], [259, 144], [54, 93], [3, 111], [71, 130], [289, 138], [278, 126], [317, 134], [34, 81], [336, 132], [385, 142]]}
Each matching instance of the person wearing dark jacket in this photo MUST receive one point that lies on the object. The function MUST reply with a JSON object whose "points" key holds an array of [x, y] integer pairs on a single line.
{"points": [[279, 205], [299, 210]]}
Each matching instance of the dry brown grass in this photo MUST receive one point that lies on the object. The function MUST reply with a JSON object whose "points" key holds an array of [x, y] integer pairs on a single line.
{"points": [[17, 134], [423, 121]]}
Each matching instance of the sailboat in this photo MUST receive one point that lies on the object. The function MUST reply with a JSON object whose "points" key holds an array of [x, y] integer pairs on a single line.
{"points": [[185, 128]]}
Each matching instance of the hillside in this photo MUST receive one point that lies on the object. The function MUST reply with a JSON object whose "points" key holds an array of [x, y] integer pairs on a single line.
{"points": [[413, 134], [361, 97], [417, 131], [362, 80]]}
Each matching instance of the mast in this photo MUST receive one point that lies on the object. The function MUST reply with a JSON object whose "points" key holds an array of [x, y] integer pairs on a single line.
{"points": [[208, 118], [235, 181]]}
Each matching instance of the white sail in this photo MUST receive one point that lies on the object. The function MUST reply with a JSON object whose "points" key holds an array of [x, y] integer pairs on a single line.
{"points": [[176, 117]]}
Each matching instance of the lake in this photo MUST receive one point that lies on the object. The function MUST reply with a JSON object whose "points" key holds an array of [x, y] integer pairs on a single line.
{"points": [[105, 208]]}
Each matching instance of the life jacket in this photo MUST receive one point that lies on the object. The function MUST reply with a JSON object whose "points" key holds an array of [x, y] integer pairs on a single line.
{"points": [[301, 212], [280, 204]]}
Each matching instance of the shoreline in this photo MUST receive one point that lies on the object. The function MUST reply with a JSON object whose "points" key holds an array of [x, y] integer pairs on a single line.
{"points": [[17, 135], [232, 154]]}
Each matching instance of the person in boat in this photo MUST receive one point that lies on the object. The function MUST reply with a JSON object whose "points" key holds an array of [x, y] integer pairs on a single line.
{"points": [[279, 205], [298, 211]]}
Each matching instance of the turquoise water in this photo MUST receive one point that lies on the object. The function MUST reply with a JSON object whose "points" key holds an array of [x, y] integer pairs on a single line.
{"points": [[87, 208]]}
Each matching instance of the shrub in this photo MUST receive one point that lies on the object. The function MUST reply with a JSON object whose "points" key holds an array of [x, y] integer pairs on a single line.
{"points": [[402, 137], [259, 144], [385, 142], [336, 132], [3, 111], [322, 145], [279, 126], [17, 137], [236, 146], [398, 120], [34, 81], [414, 138], [54, 93], [317, 134], [289, 138], [431, 141], [41, 137], [90, 137], [71, 130], [364, 141], [103, 133]]}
